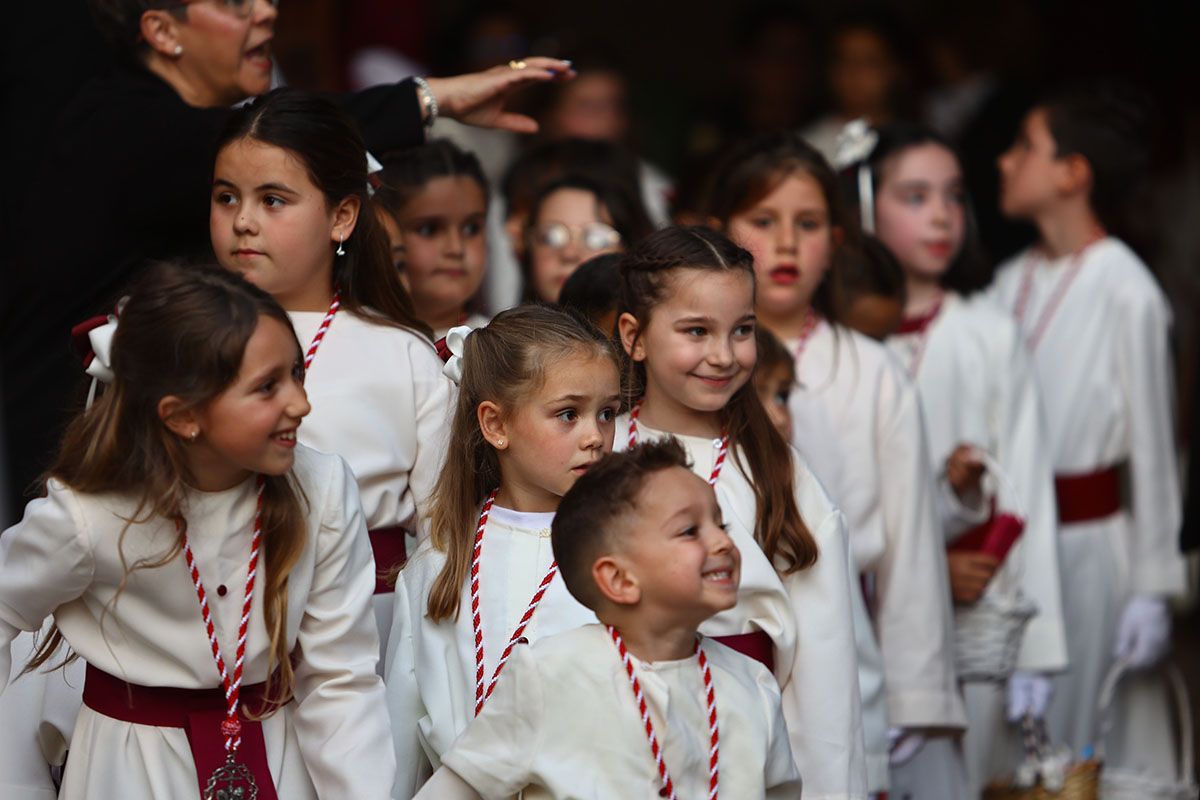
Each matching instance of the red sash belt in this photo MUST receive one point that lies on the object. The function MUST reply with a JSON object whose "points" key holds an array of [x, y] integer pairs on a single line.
{"points": [[198, 711], [388, 546], [1089, 496], [756, 644]]}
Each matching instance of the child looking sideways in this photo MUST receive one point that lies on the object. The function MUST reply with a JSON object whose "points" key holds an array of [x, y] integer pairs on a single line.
{"points": [[1098, 327], [433, 205], [640, 541]]}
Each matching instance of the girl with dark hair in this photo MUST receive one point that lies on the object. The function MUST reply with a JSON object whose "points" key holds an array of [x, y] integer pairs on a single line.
{"points": [[857, 418], [573, 219], [978, 393], [183, 479], [291, 213], [432, 202], [687, 324], [539, 392]]}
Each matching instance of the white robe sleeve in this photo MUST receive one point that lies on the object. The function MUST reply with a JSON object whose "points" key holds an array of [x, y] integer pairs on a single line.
{"points": [[495, 753], [822, 685], [46, 560], [1022, 451], [1144, 371], [434, 398], [340, 719], [914, 620], [780, 777], [404, 703]]}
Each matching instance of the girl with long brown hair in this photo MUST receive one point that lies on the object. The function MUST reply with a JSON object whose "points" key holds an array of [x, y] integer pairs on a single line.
{"points": [[215, 575], [687, 325], [292, 213], [857, 418], [539, 392]]}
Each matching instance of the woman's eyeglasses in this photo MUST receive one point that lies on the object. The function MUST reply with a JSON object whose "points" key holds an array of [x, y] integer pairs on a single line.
{"points": [[240, 8]]}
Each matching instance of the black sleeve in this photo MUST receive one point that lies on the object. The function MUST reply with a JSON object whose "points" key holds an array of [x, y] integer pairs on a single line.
{"points": [[389, 116]]}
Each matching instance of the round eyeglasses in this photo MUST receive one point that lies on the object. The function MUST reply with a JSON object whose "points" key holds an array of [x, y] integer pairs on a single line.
{"points": [[592, 237]]}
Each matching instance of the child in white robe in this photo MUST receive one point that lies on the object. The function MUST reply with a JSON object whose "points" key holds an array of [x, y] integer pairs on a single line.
{"points": [[640, 540], [977, 391], [291, 213], [181, 500], [856, 416], [522, 432], [687, 323], [1097, 327], [432, 200]]}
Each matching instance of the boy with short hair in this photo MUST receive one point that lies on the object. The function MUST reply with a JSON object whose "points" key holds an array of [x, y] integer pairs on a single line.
{"points": [[1097, 326], [641, 704]]}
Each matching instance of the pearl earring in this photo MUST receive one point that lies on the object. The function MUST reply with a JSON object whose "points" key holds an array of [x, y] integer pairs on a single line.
{"points": [[178, 49], [341, 251], [192, 436]]}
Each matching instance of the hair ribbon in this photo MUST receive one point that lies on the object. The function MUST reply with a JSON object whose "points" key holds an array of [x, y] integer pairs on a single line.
{"points": [[854, 145], [455, 343]]}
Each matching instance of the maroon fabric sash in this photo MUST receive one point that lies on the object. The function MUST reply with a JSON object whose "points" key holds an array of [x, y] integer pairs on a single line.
{"points": [[390, 553], [755, 644], [996, 536], [1089, 496], [198, 711]]}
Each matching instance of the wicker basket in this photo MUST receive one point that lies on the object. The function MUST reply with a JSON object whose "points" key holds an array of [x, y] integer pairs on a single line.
{"points": [[1128, 784], [1083, 783], [987, 638], [987, 634]]}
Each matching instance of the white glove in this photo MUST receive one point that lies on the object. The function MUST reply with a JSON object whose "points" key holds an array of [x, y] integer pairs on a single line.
{"points": [[903, 745], [1028, 693], [1144, 635]]}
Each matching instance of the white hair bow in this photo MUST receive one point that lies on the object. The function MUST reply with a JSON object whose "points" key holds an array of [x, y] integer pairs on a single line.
{"points": [[373, 168], [456, 343], [854, 145], [96, 350]]}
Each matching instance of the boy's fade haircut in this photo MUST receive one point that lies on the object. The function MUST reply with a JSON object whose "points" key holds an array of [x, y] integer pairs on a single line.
{"points": [[587, 522]]}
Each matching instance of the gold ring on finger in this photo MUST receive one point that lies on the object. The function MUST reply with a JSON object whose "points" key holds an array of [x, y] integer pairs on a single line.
{"points": [[517, 64]]}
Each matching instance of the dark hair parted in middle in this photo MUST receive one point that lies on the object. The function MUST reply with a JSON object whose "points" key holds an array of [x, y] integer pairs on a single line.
{"points": [[328, 144], [584, 525], [648, 272], [752, 170], [969, 272]]}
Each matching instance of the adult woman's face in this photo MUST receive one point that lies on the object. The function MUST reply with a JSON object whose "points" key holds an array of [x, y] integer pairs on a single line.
{"points": [[227, 56]]}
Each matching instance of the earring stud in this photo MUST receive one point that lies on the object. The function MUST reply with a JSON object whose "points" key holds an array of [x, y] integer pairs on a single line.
{"points": [[192, 436], [178, 50]]}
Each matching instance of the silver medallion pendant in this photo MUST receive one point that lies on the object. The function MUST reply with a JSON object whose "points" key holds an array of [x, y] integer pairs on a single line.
{"points": [[231, 781]]}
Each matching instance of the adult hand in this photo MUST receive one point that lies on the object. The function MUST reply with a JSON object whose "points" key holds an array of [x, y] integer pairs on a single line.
{"points": [[478, 98], [1028, 693], [964, 473], [1144, 634], [969, 575]]}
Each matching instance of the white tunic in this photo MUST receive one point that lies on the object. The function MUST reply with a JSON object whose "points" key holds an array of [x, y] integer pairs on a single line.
{"points": [[976, 386], [63, 558], [878, 439], [380, 401], [807, 614], [1104, 368], [430, 674], [563, 722]]}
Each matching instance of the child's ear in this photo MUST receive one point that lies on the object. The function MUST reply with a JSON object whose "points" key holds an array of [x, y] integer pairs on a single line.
{"points": [[615, 582], [493, 424], [180, 419], [628, 328], [345, 217], [1075, 175]]}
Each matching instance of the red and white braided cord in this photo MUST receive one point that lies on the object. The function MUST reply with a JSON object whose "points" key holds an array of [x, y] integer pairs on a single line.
{"points": [[710, 698], [1056, 298], [231, 727], [324, 326], [482, 693], [811, 320], [721, 444]]}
